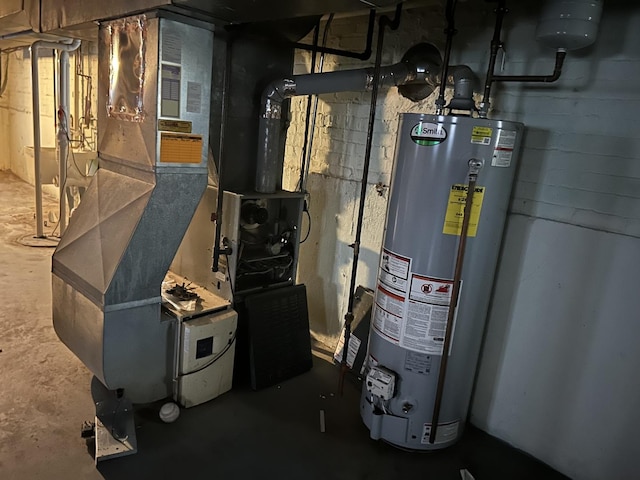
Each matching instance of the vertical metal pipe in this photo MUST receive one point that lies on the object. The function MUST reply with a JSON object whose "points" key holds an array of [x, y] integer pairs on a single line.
{"points": [[450, 32], [496, 44], [305, 144], [392, 24], [223, 125], [63, 137], [314, 113], [35, 97], [474, 168], [69, 46]]}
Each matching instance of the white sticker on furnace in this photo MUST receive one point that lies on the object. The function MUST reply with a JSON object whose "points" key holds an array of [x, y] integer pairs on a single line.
{"points": [[503, 152]]}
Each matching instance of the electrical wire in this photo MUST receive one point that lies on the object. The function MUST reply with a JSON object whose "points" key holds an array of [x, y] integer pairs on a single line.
{"points": [[214, 359], [309, 229]]}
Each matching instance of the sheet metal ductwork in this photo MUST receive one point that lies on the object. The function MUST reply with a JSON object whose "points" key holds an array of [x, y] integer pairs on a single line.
{"points": [[109, 266]]}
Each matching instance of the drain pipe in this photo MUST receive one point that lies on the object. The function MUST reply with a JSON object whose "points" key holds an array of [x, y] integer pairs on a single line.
{"points": [[65, 46]]}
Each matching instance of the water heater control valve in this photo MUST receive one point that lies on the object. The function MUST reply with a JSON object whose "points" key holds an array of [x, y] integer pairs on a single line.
{"points": [[381, 383]]}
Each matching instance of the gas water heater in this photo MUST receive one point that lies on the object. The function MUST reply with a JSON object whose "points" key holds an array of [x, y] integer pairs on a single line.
{"points": [[416, 274]]}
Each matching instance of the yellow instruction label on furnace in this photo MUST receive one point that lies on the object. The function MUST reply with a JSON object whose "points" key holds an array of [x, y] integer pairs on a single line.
{"points": [[481, 135], [455, 210], [177, 148]]}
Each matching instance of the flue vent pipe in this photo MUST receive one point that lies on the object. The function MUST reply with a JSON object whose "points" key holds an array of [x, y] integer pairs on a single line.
{"points": [[269, 166]]}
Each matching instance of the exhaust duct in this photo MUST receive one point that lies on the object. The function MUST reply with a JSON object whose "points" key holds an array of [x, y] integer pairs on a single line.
{"points": [[416, 76]]}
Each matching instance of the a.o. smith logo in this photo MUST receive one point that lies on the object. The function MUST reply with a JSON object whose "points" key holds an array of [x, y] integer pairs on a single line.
{"points": [[428, 134]]}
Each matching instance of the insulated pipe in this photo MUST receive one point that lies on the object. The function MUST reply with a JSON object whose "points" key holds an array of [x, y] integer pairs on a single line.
{"points": [[68, 46], [269, 167]]}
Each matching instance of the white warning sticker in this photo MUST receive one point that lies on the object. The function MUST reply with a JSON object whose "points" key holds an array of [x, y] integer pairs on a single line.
{"points": [[503, 151], [354, 346], [424, 328], [446, 432], [431, 290], [387, 317], [394, 270]]}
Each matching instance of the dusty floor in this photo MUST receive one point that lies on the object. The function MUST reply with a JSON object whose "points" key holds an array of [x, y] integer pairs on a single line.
{"points": [[274, 433]]}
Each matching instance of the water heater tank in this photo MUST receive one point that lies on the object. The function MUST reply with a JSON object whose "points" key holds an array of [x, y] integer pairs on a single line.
{"points": [[415, 275], [569, 24]]}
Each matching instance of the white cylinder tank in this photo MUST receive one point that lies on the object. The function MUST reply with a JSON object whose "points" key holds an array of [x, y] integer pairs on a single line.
{"points": [[416, 274], [569, 24]]}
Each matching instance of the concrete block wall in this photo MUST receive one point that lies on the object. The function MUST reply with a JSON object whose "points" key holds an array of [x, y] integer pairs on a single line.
{"points": [[558, 374], [16, 109], [337, 163]]}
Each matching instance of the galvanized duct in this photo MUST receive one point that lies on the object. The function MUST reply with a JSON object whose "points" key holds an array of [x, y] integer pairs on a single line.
{"points": [[110, 264]]}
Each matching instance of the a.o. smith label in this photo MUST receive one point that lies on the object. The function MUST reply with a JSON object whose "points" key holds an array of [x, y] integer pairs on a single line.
{"points": [[428, 134]]}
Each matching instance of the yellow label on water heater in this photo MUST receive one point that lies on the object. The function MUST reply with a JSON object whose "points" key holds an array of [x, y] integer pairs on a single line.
{"points": [[455, 210]]}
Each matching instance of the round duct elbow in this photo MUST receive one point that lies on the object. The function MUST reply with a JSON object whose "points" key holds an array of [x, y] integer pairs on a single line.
{"points": [[463, 84], [425, 60]]}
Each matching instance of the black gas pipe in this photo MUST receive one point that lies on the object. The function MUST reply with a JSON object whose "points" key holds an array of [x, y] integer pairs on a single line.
{"points": [[393, 25], [449, 31], [223, 122], [496, 44], [316, 33], [364, 55]]}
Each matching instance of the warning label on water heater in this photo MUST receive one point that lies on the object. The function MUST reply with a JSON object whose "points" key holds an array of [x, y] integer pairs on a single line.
{"points": [[455, 210], [394, 270], [503, 152], [431, 290]]}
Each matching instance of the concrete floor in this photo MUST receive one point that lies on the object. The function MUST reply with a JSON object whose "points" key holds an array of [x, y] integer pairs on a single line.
{"points": [[275, 433]]}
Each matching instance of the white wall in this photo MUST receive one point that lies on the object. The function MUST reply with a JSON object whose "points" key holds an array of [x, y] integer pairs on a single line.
{"points": [[16, 108], [16, 121], [558, 372]]}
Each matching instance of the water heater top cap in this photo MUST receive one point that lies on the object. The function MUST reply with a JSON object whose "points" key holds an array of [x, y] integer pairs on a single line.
{"points": [[569, 24]]}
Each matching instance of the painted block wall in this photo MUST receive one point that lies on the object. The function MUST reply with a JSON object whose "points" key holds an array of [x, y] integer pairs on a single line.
{"points": [[16, 109], [337, 162], [557, 375]]}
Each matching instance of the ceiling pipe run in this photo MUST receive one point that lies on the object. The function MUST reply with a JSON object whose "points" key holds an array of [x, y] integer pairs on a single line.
{"points": [[270, 163]]}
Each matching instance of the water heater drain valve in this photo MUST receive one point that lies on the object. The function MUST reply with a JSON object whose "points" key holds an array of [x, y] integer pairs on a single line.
{"points": [[381, 383]]}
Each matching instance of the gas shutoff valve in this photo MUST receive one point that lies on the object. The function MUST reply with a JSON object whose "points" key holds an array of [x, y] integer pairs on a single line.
{"points": [[381, 383]]}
